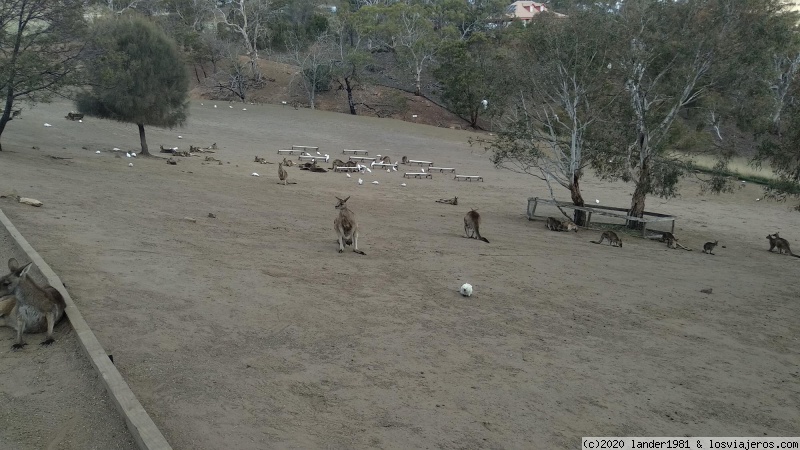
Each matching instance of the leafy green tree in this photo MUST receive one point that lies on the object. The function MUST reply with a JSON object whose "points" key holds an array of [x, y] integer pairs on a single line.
{"points": [[407, 31], [41, 42], [666, 55], [136, 76], [470, 72]]}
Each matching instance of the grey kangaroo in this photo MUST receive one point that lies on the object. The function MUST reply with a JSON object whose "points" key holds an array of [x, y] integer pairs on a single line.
{"points": [[781, 243], [28, 307]]}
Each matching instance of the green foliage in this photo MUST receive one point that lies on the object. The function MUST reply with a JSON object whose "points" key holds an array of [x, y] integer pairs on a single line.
{"points": [[136, 75], [471, 71]]}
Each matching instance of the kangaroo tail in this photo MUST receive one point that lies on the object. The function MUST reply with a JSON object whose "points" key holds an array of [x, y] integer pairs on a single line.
{"points": [[796, 256], [487, 241], [596, 242]]}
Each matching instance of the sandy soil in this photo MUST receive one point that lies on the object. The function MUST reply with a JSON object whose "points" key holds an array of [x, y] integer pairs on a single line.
{"points": [[250, 331], [52, 398]]}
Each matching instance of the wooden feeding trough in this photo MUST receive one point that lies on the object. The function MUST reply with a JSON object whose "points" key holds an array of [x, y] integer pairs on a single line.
{"points": [[648, 218]]}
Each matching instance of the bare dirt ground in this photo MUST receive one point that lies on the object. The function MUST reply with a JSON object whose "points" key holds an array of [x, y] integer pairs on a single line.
{"points": [[250, 331], [52, 398]]}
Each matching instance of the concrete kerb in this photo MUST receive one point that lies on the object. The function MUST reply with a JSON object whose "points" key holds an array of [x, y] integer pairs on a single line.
{"points": [[141, 426]]}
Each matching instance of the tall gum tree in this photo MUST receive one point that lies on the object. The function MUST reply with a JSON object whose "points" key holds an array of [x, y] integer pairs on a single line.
{"points": [[560, 93]]}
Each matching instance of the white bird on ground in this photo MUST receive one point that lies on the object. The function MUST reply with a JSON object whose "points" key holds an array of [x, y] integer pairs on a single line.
{"points": [[360, 181], [180, 137], [320, 154], [98, 152], [130, 164], [758, 199], [244, 109], [375, 182], [115, 149], [403, 184], [128, 155], [388, 170], [596, 201], [348, 175], [215, 106], [201, 103], [229, 106], [368, 169], [47, 125], [255, 174], [133, 154], [80, 121], [394, 168]]}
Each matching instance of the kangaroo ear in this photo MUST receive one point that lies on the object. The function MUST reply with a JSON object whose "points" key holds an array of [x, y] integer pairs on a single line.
{"points": [[345, 200], [337, 198], [26, 269], [13, 265]]}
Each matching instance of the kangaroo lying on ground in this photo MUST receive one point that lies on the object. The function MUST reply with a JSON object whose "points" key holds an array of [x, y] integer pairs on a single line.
{"points": [[287, 163], [612, 237], [337, 163], [449, 201], [346, 226], [554, 224], [472, 224], [781, 243], [672, 241], [26, 306]]}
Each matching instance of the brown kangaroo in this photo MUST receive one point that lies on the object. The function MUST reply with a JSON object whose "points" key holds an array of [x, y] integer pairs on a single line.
{"points": [[29, 307], [612, 237], [472, 224], [346, 226], [554, 224], [282, 174]]}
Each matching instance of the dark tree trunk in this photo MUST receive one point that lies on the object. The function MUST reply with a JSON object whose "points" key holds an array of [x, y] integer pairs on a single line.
{"points": [[577, 200], [196, 75], [6, 115], [3, 121], [350, 102], [143, 140]]}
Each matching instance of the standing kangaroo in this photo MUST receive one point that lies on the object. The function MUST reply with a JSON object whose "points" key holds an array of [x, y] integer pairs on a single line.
{"points": [[781, 243], [612, 237], [346, 226], [30, 307], [708, 247], [472, 224], [282, 174]]}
